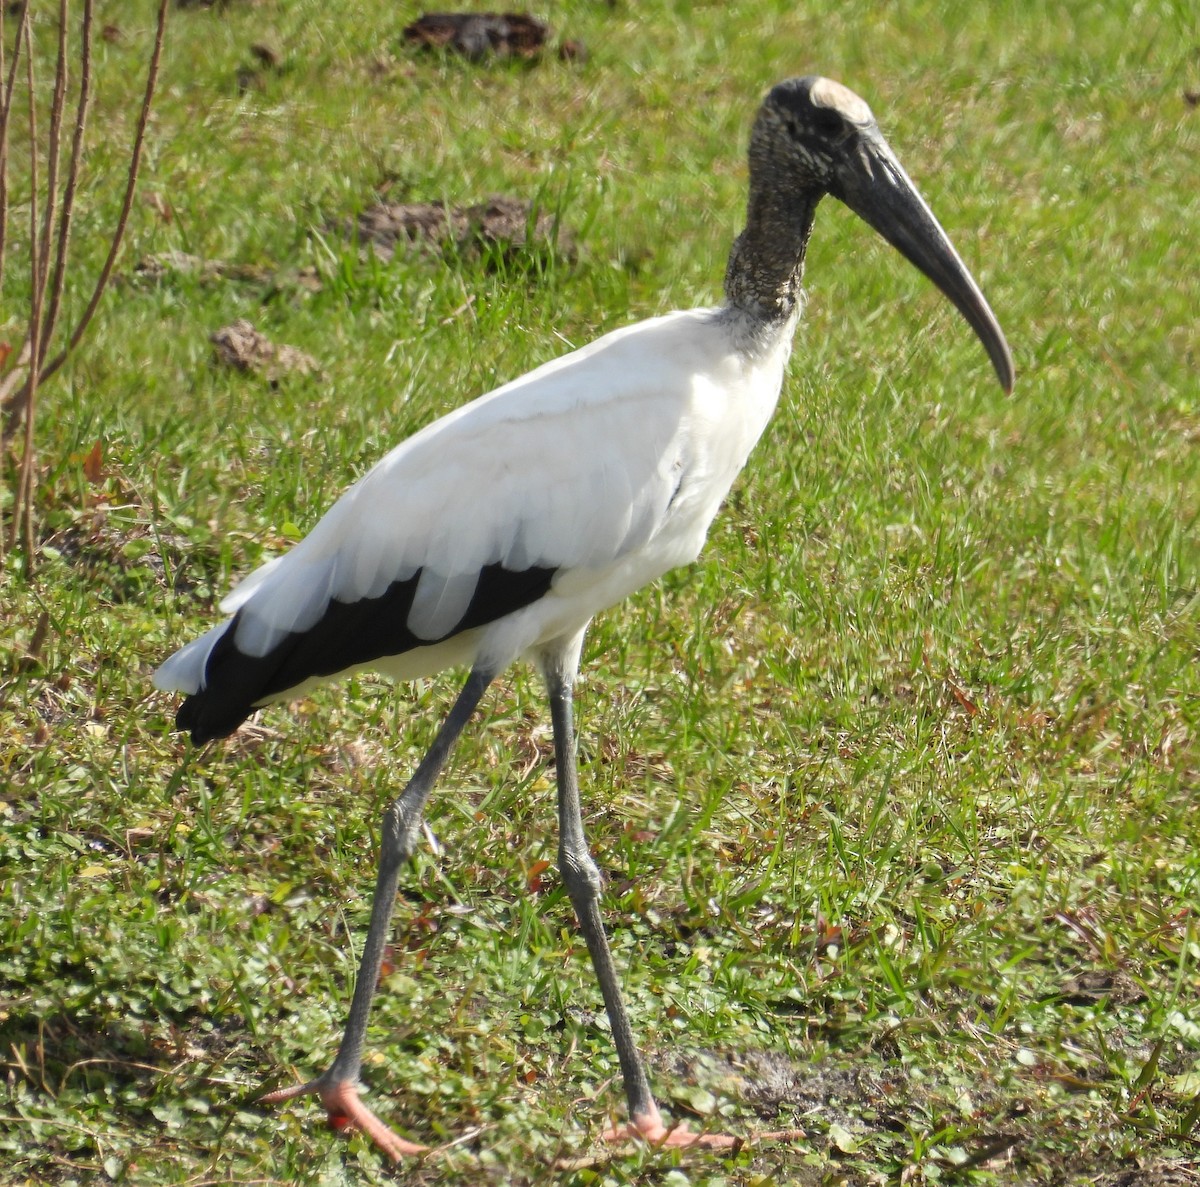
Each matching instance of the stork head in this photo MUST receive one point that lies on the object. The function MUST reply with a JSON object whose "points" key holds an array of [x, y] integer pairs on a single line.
{"points": [[814, 136]]}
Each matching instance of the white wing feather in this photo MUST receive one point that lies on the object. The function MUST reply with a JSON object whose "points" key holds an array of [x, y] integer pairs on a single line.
{"points": [[570, 467]]}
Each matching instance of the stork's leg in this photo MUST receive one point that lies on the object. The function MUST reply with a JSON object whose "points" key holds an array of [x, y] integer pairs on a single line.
{"points": [[582, 880], [338, 1086]]}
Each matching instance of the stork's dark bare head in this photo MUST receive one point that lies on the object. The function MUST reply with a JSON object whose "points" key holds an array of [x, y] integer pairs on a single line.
{"points": [[805, 124], [813, 137]]}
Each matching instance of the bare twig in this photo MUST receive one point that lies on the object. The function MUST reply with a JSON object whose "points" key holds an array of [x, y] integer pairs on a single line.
{"points": [[68, 203], [50, 234], [23, 504], [3, 163], [5, 109], [127, 204], [54, 145]]}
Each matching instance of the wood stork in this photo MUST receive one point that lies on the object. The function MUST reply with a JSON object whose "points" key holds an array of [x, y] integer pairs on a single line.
{"points": [[501, 529]]}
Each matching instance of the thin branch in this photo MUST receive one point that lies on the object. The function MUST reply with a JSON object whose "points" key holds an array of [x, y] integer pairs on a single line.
{"points": [[68, 204], [3, 174], [5, 110], [127, 205], [54, 146], [4, 106], [49, 236], [23, 502], [23, 510], [15, 405]]}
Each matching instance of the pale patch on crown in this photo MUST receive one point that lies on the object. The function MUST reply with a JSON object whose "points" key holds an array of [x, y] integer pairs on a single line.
{"points": [[827, 93]]}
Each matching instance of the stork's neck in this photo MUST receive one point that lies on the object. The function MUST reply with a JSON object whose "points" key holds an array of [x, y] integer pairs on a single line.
{"points": [[762, 280]]}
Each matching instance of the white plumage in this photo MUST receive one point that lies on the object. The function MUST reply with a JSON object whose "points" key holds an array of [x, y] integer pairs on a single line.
{"points": [[606, 465], [504, 527]]}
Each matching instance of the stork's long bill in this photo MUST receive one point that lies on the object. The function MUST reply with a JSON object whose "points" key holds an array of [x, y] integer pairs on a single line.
{"points": [[863, 173], [874, 185]]}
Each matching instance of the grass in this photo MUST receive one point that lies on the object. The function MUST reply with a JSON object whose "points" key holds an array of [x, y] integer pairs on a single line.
{"points": [[894, 790]]}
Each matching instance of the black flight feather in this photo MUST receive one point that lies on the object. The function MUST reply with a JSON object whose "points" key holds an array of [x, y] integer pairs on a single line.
{"points": [[347, 635]]}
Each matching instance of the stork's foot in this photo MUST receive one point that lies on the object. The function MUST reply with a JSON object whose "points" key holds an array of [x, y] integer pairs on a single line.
{"points": [[345, 1110], [649, 1128]]}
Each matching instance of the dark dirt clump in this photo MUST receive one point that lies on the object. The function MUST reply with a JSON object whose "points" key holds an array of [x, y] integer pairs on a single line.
{"points": [[479, 35], [501, 226]]}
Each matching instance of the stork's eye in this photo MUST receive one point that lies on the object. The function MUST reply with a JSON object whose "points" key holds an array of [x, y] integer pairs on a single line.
{"points": [[827, 121]]}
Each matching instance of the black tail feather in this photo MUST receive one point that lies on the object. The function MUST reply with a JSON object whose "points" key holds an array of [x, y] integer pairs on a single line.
{"points": [[348, 635]]}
